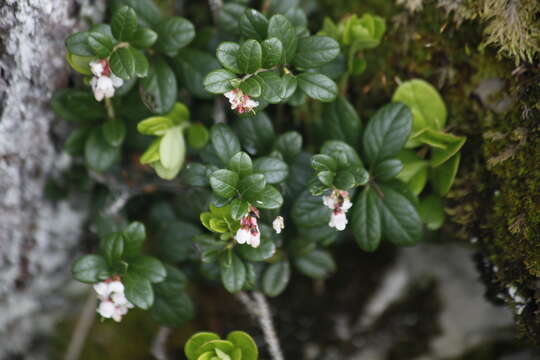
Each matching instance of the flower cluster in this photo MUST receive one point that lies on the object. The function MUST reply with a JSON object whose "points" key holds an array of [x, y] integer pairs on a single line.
{"points": [[340, 203], [240, 101], [249, 230], [104, 81], [113, 303]]}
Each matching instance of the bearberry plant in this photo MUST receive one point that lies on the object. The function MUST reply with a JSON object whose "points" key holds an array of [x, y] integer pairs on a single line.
{"points": [[241, 154]]}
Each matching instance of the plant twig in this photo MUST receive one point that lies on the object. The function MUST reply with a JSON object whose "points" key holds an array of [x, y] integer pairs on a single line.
{"points": [[84, 324], [215, 5], [159, 344], [258, 307]]}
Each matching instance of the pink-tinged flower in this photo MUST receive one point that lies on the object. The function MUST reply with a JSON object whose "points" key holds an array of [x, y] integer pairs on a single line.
{"points": [[113, 303], [338, 220], [240, 102], [340, 202], [278, 224], [104, 81], [249, 229]]}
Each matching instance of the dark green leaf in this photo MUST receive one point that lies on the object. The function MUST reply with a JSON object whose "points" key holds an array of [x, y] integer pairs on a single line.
{"points": [[239, 208], [144, 38], [386, 133], [290, 84], [326, 178], [219, 81], [148, 13], [366, 220], [124, 24], [147, 267], [253, 25], [275, 278], [233, 272], [224, 183], [265, 251], [113, 248], [343, 153], [269, 199], [241, 164], [318, 86], [77, 106], [175, 241], [87, 269], [114, 132], [158, 90], [274, 170], [195, 174], [256, 133], [271, 86], [134, 235], [192, 66], [401, 223], [272, 52], [227, 54], [387, 169], [138, 290], [174, 33], [78, 44], [322, 162], [315, 51], [74, 144], [317, 264], [229, 17], [309, 211], [141, 63], [172, 307], [289, 145], [251, 186], [344, 180], [225, 142], [341, 122], [100, 43], [251, 87], [123, 63], [98, 153], [280, 27]]}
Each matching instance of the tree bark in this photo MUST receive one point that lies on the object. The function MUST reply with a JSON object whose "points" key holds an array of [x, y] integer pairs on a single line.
{"points": [[38, 238]]}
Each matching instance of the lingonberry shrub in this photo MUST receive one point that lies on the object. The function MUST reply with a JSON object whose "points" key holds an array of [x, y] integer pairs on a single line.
{"points": [[243, 156]]}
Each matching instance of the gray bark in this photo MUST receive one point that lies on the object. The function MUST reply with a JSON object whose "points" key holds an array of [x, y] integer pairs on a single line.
{"points": [[38, 239]]}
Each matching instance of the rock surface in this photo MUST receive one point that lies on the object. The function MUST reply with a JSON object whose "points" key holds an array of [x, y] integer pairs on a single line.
{"points": [[37, 238]]}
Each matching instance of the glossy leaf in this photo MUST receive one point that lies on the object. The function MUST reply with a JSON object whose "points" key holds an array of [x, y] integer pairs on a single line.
{"points": [[124, 24], [233, 272], [275, 278], [87, 269], [386, 133], [159, 89], [366, 221], [315, 51], [318, 86]]}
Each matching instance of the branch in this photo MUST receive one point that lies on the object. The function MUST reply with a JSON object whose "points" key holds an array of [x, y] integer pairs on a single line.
{"points": [[159, 344], [84, 325], [258, 307], [215, 5]]}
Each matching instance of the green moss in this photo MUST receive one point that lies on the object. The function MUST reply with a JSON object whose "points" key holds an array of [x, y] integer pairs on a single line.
{"points": [[496, 197]]}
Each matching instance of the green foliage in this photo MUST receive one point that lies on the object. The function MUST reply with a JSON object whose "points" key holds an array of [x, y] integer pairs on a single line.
{"points": [[255, 169], [429, 119], [207, 346]]}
